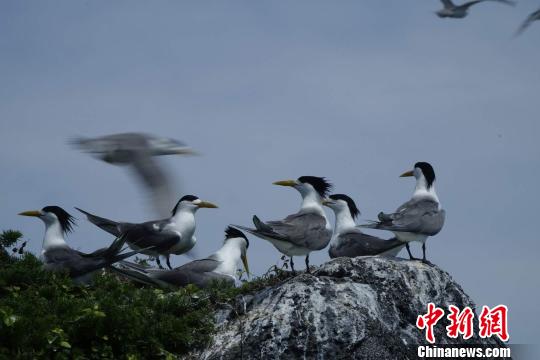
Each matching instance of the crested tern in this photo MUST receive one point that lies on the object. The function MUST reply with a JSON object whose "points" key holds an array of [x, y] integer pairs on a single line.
{"points": [[418, 218], [450, 10], [57, 255], [528, 21], [348, 240], [303, 232], [137, 151], [174, 235], [220, 266]]}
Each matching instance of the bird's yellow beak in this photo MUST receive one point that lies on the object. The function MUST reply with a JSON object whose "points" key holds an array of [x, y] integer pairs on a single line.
{"points": [[285, 183], [245, 262], [206, 204], [31, 213], [407, 173]]}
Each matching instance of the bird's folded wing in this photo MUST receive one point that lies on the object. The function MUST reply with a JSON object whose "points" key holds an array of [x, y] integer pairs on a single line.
{"points": [[147, 235], [198, 272], [72, 261], [299, 228], [356, 243], [420, 216]]}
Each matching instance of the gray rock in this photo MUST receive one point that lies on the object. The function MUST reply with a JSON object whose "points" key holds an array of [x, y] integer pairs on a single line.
{"points": [[361, 308]]}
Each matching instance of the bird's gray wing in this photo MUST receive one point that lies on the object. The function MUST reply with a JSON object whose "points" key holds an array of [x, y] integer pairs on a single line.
{"points": [[155, 179], [304, 229], [448, 4], [66, 259], [417, 216], [471, 3], [532, 17], [151, 234], [198, 272], [355, 243]]}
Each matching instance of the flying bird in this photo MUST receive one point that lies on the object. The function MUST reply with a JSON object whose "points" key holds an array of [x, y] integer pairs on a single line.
{"points": [[418, 218], [532, 17], [303, 232], [57, 255], [348, 240], [173, 235], [220, 266], [137, 151], [450, 10]]}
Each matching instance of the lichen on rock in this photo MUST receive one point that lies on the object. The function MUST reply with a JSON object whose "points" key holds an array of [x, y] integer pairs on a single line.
{"points": [[360, 308]]}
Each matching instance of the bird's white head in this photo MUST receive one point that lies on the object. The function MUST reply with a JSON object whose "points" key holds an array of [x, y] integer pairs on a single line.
{"points": [[313, 190], [342, 203], [58, 222], [237, 238], [345, 210], [53, 215], [191, 203], [425, 180]]}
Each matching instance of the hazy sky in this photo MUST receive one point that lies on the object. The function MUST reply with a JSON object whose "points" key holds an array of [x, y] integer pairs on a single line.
{"points": [[356, 91]]}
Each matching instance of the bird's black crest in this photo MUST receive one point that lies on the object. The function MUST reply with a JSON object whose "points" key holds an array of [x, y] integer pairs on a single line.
{"points": [[428, 172], [350, 203], [321, 185], [184, 198], [231, 233], [66, 221]]}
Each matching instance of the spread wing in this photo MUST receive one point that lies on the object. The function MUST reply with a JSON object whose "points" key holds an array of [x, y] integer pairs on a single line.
{"points": [[416, 216], [155, 179], [532, 17], [448, 4], [471, 3]]}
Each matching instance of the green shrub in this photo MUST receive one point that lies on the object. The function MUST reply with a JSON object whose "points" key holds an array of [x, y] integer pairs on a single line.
{"points": [[44, 315]]}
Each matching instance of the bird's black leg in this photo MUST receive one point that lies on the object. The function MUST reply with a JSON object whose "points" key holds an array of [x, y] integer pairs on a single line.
{"points": [[168, 257], [292, 267], [409, 251], [158, 262], [424, 253], [307, 264]]}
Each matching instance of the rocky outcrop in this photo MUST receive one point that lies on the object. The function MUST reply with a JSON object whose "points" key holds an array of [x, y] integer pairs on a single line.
{"points": [[361, 308]]}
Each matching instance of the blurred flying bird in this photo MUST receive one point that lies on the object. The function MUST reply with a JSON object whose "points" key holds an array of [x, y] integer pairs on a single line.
{"points": [[348, 240], [418, 218], [173, 235], [220, 266], [532, 17], [137, 151], [450, 10], [303, 232], [58, 256]]}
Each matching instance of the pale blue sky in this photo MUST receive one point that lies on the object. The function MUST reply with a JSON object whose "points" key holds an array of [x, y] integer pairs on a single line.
{"points": [[356, 91]]}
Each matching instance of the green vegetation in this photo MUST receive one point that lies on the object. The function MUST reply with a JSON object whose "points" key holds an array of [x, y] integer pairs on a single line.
{"points": [[44, 315]]}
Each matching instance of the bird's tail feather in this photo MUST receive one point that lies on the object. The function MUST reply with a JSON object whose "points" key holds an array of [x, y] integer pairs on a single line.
{"points": [[261, 226], [394, 247], [245, 228], [135, 276], [105, 224]]}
